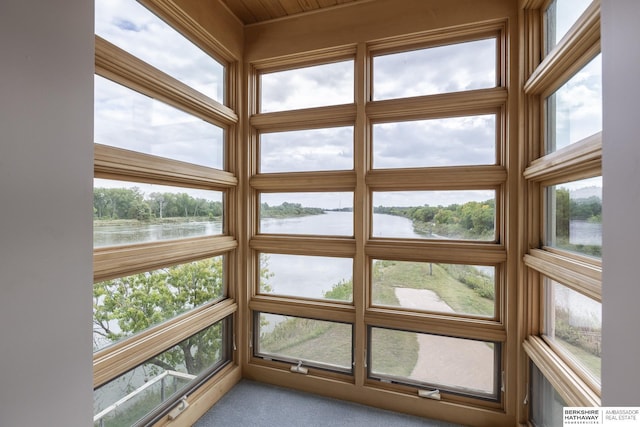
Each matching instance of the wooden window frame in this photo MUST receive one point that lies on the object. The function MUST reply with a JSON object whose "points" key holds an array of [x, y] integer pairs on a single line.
{"points": [[582, 159], [362, 181], [121, 67]]}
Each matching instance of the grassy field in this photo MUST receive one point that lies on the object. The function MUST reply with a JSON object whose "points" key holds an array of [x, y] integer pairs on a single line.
{"points": [[395, 354]]}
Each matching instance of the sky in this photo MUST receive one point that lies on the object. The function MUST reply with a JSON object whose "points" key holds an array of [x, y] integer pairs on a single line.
{"points": [[126, 119]]}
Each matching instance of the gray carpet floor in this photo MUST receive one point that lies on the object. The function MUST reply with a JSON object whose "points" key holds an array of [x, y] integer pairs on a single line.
{"points": [[253, 404]]}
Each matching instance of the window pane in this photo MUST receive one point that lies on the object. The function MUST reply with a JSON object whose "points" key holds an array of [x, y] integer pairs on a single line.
{"points": [[574, 111], [307, 276], [574, 220], [307, 150], [133, 28], [131, 212], [127, 119], [316, 86], [328, 214], [125, 306], [443, 69], [458, 214], [443, 288], [437, 142], [560, 16], [546, 403], [138, 392], [313, 342], [454, 364], [574, 322]]}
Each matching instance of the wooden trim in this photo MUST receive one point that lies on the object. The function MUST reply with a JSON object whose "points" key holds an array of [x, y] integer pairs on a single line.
{"points": [[439, 37], [583, 159], [304, 181], [119, 261], [307, 118], [204, 397], [580, 45], [573, 390], [298, 307], [118, 163], [580, 277], [437, 178], [435, 323], [436, 251], [455, 104], [305, 59], [120, 66], [126, 355], [300, 245]]}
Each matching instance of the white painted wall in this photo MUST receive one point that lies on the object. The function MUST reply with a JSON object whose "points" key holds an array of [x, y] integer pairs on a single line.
{"points": [[46, 170], [621, 198]]}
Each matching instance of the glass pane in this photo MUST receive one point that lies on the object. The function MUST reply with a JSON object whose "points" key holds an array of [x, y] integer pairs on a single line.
{"points": [[447, 363], [426, 286], [307, 150], [133, 28], [458, 214], [313, 342], [574, 111], [131, 212], [574, 322], [443, 69], [315, 86], [124, 118], [574, 219], [560, 16], [128, 398], [328, 214], [546, 403], [307, 276], [125, 306], [437, 142]]}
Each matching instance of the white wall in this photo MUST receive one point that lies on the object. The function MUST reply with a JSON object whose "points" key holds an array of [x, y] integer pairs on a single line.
{"points": [[621, 212], [46, 169]]}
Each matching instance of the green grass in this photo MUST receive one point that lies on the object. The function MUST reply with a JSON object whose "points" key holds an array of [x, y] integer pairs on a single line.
{"points": [[388, 275], [591, 362], [394, 352]]}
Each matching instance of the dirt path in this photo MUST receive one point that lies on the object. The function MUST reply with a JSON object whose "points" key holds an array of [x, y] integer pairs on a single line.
{"points": [[448, 361]]}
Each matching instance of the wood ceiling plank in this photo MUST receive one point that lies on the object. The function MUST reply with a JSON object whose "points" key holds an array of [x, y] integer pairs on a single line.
{"points": [[239, 9], [291, 6]]}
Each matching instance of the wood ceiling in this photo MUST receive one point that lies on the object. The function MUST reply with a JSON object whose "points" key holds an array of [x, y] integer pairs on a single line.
{"points": [[252, 11]]}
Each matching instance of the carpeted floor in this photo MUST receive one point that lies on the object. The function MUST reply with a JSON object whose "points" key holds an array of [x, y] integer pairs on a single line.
{"points": [[253, 404]]}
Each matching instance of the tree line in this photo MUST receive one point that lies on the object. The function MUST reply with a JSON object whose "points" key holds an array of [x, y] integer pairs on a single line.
{"points": [[471, 220], [131, 203]]}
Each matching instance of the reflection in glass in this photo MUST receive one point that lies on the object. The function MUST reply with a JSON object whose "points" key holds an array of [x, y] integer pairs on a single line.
{"points": [[443, 69], [127, 305], [316, 343], [437, 142], [574, 218], [327, 214], [124, 118], [307, 276], [453, 364], [560, 16], [574, 322], [436, 287], [574, 111], [133, 28], [131, 212], [456, 214], [315, 86], [546, 403], [307, 150], [138, 392]]}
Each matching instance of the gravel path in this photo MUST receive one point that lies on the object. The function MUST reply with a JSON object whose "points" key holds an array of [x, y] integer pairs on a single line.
{"points": [[461, 363]]}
